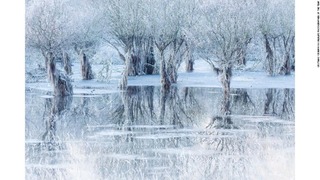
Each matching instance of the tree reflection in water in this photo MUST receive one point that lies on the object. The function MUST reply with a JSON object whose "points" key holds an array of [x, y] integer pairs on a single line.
{"points": [[57, 106], [151, 133], [47, 153]]}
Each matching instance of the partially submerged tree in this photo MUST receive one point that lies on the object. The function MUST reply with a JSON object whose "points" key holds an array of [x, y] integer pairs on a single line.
{"points": [[46, 23], [86, 71], [169, 27], [87, 30], [276, 22], [126, 32], [225, 32], [60, 82]]}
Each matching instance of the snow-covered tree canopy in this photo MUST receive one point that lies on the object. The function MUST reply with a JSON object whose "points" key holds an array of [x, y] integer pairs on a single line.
{"points": [[219, 31], [226, 28], [46, 24]]}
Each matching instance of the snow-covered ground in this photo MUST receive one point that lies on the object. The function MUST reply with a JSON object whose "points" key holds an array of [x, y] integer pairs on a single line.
{"points": [[203, 76], [210, 79]]}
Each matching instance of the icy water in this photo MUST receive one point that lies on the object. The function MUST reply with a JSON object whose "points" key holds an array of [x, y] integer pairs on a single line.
{"points": [[146, 133]]}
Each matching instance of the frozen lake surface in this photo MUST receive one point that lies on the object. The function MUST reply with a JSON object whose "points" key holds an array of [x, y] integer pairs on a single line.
{"points": [[145, 133]]}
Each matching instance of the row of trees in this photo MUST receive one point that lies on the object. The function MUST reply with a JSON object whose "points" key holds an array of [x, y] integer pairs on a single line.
{"points": [[157, 35]]}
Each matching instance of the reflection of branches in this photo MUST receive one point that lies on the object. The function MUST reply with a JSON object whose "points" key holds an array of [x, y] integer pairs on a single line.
{"points": [[190, 99], [149, 92], [137, 106], [54, 108], [178, 105], [221, 122], [243, 97], [183, 105], [118, 114], [288, 104], [84, 106], [163, 99], [132, 104], [224, 141], [242, 100], [275, 106], [270, 103], [59, 104], [88, 109], [175, 103], [168, 96], [47, 107]]}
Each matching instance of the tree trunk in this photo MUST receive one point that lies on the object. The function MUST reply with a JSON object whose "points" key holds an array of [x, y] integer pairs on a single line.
{"points": [[165, 81], [293, 54], [124, 81], [242, 57], [150, 61], [86, 71], [286, 68], [63, 86], [61, 83], [189, 59], [134, 65], [171, 69], [67, 63], [51, 67], [134, 46], [270, 57], [189, 65], [288, 44]]}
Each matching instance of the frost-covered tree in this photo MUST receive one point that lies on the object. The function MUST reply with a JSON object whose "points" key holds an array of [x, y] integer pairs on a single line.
{"points": [[46, 26], [276, 23], [168, 22], [46, 30], [224, 32], [192, 16], [87, 29], [126, 31]]}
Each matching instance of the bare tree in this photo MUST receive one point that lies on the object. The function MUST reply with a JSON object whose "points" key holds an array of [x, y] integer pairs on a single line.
{"points": [[169, 27], [126, 32], [46, 23], [225, 32], [276, 22], [87, 29]]}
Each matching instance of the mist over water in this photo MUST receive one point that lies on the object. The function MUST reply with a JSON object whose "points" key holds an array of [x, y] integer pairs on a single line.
{"points": [[146, 133]]}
